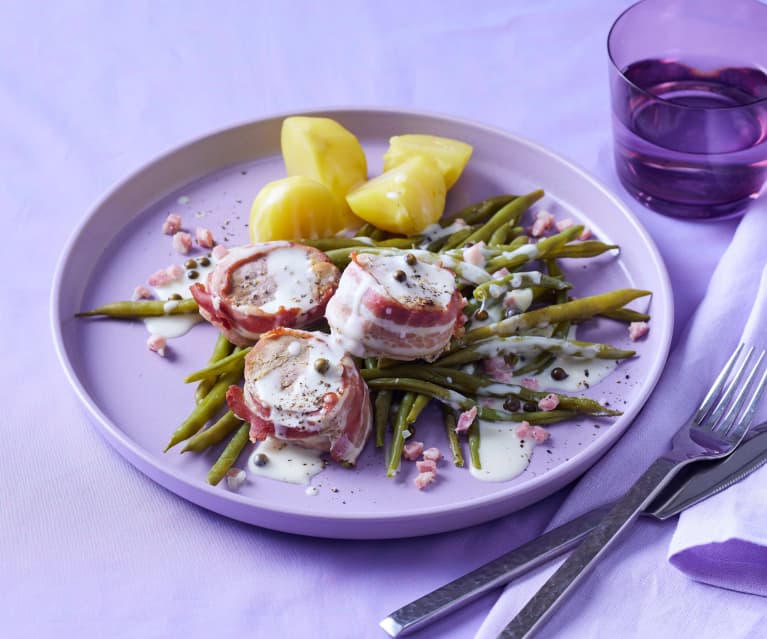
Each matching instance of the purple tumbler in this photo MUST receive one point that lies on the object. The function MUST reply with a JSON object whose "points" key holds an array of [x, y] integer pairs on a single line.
{"points": [[689, 102]]}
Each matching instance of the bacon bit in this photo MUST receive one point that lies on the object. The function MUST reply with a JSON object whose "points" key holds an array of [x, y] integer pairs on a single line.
{"points": [[474, 255], [172, 224], [585, 234], [141, 293], [544, 221], [219, 251], [539, 434], [235, 477], [564, 224], [432, 454], [502, 272], [204, 237], [182, 242], [157, 343], [550, 402], [411, 450], [638, 330], [466, 419], [523, 430], [166, 276], [530, 383], [498, 369], [426, 466], [424, 479]]}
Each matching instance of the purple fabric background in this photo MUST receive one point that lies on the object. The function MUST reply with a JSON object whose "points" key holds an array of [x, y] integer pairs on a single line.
{"points": [[89, 91]]}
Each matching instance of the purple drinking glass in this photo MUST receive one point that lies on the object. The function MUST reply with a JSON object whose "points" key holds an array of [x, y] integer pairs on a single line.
{"points": [[688, 84]]}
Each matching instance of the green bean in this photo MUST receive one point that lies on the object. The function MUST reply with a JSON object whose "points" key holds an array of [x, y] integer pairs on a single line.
{"points": [[527, 279], [222, 348], [419, 403], [382, 406], [583, 249], [213, 434], [499, 236], [398, 436], [625, 315], [544, 247], [507, 215], [474, 441], [452, 437], [457, 400], [205, 410], [479, 211], [332, 243], [365, 230], [573, 311], [143, 308], [229, 455], [453, 240], [227, 364]]}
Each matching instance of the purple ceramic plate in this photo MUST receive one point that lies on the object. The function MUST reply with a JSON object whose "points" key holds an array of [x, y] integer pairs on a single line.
{"points": [[136, 398]]}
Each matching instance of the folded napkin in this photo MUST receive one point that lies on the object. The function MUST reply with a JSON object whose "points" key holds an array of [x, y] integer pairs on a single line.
{"points": [[733, 306]]}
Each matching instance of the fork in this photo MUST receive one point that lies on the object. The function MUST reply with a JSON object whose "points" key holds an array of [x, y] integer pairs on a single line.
{"points": [[718, 425]]}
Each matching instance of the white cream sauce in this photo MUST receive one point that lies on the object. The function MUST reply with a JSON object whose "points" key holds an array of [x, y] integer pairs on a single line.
{"points": [[305, 394], [285, 461], [172, 326], [291, 269], [421, 280], [582, 373], [502, 454]]}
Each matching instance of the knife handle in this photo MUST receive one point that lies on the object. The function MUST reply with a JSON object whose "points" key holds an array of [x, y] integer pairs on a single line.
{"points": [[493, 574], [576, 566]]}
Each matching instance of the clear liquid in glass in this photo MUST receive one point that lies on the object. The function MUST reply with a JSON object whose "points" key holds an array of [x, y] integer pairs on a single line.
{"points": [[691, 142]]}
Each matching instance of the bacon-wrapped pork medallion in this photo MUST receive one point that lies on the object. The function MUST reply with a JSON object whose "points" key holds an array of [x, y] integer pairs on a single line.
{"points": [[258, 287], [395, 306], [301, 387]]}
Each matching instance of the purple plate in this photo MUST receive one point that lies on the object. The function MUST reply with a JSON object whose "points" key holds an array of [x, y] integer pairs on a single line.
{"points": [[136, 399]]}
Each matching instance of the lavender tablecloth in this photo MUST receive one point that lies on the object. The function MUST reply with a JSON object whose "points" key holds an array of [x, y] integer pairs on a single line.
{"points": [[89, 91]]}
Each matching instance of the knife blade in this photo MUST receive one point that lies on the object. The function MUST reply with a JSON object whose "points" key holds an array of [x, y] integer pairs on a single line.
{"points": [[692, 486]]}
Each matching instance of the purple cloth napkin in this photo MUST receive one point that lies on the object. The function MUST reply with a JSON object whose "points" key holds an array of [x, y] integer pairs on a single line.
{"points": [[714, 331]]}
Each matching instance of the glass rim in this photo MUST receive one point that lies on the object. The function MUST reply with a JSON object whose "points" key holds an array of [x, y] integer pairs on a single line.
{"points": [[658, 97]]}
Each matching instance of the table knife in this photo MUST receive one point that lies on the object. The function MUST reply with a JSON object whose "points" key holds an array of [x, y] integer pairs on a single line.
{"points": [[691, 486]]}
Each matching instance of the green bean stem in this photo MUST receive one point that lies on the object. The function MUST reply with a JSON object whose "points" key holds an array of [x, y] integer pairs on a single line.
{"points": [[225, 365], [143, 308], [229, 455], [452, 437], [205, 410], [222, 348], [398, 436], [214, 434]]}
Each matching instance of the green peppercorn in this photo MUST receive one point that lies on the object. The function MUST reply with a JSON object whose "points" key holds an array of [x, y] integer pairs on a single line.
{"points": [[191, 263]]}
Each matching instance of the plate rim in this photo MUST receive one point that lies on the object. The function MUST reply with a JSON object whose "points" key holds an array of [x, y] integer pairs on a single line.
{"points": [[180, 485]]}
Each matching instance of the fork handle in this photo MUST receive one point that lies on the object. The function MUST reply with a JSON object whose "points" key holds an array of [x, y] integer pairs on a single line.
{"points": [[567, 576]]}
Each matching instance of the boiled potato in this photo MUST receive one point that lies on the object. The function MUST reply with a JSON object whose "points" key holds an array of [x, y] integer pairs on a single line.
{"points": [[321, 149], [451, 156], [405, 199], [297, 207]]}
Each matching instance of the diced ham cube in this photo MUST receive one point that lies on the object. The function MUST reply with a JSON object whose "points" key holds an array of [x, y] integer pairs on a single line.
{"points": [[474, 254], [426, 466], [235, 477], [544, 221], [585, 234], [638, 330], [156, 344], [219, 251], [498, 369], [564, 224], [466, 419], [141, 293], [432, 454], [166, 276], [204, 237], [539, 434], [530, 383], [523, 430], [182, 242], [172, 224], [424, 479], [412, 450], [550, 402]]}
